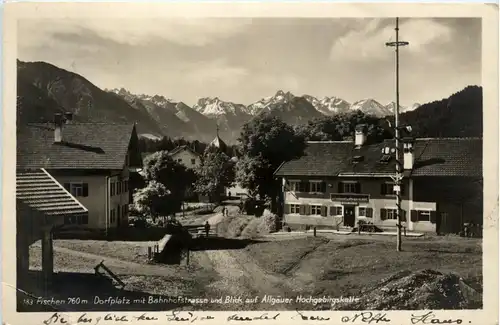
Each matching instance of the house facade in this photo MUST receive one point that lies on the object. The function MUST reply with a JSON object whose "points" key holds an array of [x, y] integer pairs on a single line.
{"points": [[186, 156], [335, 184], [92, 161]]}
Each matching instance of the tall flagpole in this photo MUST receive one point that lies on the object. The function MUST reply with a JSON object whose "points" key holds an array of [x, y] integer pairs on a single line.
{"points": [[398, 177]]}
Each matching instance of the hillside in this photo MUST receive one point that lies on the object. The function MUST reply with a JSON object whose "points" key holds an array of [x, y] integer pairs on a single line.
{"points": [[44, 89], [460, 115]]}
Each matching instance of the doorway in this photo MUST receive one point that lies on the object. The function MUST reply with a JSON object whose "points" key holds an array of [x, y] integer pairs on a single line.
{"points": [[349, 217]]}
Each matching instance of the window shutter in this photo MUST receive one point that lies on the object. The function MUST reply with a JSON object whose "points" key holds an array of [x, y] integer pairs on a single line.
{"points": [[403, 215], [332, 211], [369, 212], [383, 189], [324, 211], [383, 214], [433, 216], [85, 189], [67, 186], [340, 187], [323, 187], [308, 209], [287, 208], [304, 186], [358, 187], [414, 215], [302, 210]]}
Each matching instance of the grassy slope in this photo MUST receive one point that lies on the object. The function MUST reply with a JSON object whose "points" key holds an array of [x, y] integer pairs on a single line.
{"points": [[347, 267]]}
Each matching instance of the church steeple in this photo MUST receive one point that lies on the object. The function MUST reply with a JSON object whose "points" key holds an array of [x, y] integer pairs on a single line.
{"points": [[217, 143]]}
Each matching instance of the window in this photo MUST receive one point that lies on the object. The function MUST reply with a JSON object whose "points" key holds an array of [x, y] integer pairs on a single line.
{"points": [[365, 212], [112, 189], [112, 216], [316, 210], [125, 210], [295, 208], [77, 188], [76, 220], [387, 189], [392, 214], [118, 211], [423, 216], [316, 187], [193, 161], [118, 187], [296, 186], [336, 211], [350, 187]]}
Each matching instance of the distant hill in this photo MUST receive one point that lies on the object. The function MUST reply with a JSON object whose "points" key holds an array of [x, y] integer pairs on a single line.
{"points": [[44, 89], [460, 115]]}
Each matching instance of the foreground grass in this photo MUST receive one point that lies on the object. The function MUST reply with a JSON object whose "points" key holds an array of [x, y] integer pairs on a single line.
{"points": [[128, 251], [348, 266]]}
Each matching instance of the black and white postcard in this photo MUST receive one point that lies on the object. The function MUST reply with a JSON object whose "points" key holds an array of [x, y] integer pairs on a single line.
{"points": [[207, 163]]}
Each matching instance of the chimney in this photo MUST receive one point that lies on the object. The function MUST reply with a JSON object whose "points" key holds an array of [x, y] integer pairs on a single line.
{"points": [[68, 117], [360, 135], [408, 158], [58, 124]]}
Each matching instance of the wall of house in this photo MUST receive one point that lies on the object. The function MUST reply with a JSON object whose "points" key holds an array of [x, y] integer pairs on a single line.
{"points": [[120, 200], [185, 157], [95, 202], [376, 202], [458, 199]]}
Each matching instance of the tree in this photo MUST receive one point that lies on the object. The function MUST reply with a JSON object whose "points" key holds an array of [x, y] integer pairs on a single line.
{"points": [[215, 173], [154, 200], [178, 179], [265, 143]]}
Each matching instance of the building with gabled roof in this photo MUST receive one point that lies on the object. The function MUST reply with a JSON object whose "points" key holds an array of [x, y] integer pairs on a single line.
{"points": [[186, 156], [337, 183], [92, 161]]}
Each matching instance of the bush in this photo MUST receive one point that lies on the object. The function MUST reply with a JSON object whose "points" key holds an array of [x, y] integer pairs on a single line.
{"points": [[269, 222]]}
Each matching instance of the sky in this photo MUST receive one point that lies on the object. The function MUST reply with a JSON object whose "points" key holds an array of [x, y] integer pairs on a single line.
{"points": [[243, 60]]}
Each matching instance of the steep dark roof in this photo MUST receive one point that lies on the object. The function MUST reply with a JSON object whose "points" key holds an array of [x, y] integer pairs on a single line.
{"points": [[43, 193], [218, 143], [432, 157], [83, 146], [181, 148]]}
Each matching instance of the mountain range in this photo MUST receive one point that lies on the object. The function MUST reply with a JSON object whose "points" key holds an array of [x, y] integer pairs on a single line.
{"points": [[44, 89]]}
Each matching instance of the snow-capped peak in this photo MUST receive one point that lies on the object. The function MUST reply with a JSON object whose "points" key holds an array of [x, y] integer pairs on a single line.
{"points": [[329, 105], [371, 106], [213, 106]]}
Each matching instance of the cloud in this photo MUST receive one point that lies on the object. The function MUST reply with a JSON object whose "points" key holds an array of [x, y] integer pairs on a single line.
{"points": [[217, 71], [368, 42], [188, 32]]}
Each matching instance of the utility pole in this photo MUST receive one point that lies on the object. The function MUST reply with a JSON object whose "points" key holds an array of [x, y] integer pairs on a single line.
{"points": [[398, 177]]}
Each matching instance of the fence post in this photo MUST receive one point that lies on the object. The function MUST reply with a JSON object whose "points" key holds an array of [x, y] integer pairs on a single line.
{"points": [[314, 231], [149, 253]]}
